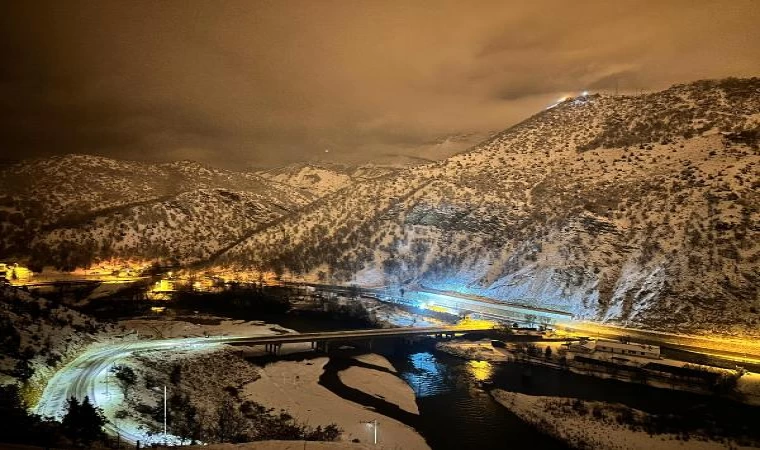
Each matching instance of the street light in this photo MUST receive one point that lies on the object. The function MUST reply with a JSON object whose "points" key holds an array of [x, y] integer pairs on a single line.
{"points": [[372, 423], [165, 413]]}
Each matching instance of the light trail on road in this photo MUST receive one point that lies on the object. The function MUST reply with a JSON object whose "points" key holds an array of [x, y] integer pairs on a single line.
{"points": [[86, 375]]}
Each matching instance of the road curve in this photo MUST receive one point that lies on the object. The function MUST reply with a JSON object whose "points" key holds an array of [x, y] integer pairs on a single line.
{"points": [[87, 375]]}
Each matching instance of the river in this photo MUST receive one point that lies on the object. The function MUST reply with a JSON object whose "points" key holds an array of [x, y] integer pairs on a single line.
{"points": [[457, 411]]}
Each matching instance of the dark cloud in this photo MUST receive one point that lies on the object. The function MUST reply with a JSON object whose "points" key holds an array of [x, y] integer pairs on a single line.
{"points": [[237, 83]]}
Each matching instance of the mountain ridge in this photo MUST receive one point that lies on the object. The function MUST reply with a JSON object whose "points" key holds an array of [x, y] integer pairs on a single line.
{"points": [[557, 209], [638, 210]]}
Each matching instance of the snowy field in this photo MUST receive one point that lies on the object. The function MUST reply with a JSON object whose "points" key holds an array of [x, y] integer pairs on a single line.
{"points": [[155, 346], [293, 386], [200, 326], [600, 432], [382, 385]]}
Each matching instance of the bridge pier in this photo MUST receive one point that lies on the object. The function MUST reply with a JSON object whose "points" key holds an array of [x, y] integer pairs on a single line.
{"points": [[323, 346], [272, 349]]}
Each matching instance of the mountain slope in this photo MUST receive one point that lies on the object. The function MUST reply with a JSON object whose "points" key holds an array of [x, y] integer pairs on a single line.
{"points": [[641, 210], [310, 177], [325, 178], [77, 208]]}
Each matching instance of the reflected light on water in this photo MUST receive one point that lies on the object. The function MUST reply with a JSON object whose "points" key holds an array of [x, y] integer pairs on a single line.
{"points": [[426, 377], [480, 370]]}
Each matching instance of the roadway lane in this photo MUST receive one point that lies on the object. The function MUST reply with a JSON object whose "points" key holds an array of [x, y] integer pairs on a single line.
{"points": [[87, 374], [734, 349]]}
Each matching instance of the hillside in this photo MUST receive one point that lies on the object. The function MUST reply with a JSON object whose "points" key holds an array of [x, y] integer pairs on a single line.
{"points": [[37, 335], [319, 179], [325, 178], [642, 210], [74, 209]]}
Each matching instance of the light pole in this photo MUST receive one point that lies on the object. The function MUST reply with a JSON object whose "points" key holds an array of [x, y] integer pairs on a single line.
{"points": [[165, 440], [374, 428]]}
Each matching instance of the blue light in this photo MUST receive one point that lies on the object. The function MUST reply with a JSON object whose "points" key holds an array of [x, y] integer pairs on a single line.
{"points": [[426, 378]]}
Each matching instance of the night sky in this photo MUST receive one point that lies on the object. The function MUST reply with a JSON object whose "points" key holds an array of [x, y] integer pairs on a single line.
{"points": [[240, 84]]}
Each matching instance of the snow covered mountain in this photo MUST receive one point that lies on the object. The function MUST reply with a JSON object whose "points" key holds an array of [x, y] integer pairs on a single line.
{"points": [[320, 179], [634, 209], [325, 178], [640, 210], [75, 209]]}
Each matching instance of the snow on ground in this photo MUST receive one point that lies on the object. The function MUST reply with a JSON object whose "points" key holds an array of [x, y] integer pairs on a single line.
{"points": [[749, 387], [293, 386], [286, 445], [384, 385], [396, 316], [199, 326], [375, 360], [88, 374], [107, 289], [587, 430], [478, 350]]}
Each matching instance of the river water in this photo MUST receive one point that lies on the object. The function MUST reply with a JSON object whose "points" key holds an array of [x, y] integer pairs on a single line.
{"points": [[457, 411]]}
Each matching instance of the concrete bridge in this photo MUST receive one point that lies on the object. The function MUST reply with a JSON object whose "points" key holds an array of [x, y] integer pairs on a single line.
{"points": [[321, 341]]}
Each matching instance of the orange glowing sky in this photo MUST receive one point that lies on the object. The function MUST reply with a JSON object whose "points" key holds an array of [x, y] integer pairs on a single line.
{"points": [[241, 83]]}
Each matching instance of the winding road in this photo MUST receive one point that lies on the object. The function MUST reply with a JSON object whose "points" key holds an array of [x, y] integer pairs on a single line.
{"points": [[88, 374]]}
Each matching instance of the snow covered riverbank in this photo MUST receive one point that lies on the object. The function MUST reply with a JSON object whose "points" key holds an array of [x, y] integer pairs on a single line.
{"points": [[746, 390], [383, 383], [199, 326], [206, 370], [294, 386], [600, 425]]}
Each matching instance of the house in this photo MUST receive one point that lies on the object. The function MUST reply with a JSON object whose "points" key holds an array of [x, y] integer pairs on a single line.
{"points": [[628, 349]]}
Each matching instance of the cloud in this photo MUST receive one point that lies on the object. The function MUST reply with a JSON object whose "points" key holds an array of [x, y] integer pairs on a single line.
{"points": [[239, 83]]}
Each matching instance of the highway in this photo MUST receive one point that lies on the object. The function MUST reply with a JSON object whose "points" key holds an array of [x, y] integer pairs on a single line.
{"points": [[353, 334], [87, 375], [736, 349]]}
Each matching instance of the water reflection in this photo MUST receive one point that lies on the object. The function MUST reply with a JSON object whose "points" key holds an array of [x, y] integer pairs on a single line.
{"points": [[427, 376], [480, 370], [456, 411]]}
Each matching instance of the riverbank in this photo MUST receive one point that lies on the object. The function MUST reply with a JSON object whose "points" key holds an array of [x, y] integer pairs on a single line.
{"points": [[745, 386], [604, 426], [294, 386], [200, 377]]}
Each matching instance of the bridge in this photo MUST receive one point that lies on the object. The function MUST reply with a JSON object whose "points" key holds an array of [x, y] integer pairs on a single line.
{"points": [[421, 297], [321, 340]]}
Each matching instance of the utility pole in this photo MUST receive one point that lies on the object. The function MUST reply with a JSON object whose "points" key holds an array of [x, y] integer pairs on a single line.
{"points": [[374, 428], [165, 440]]}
